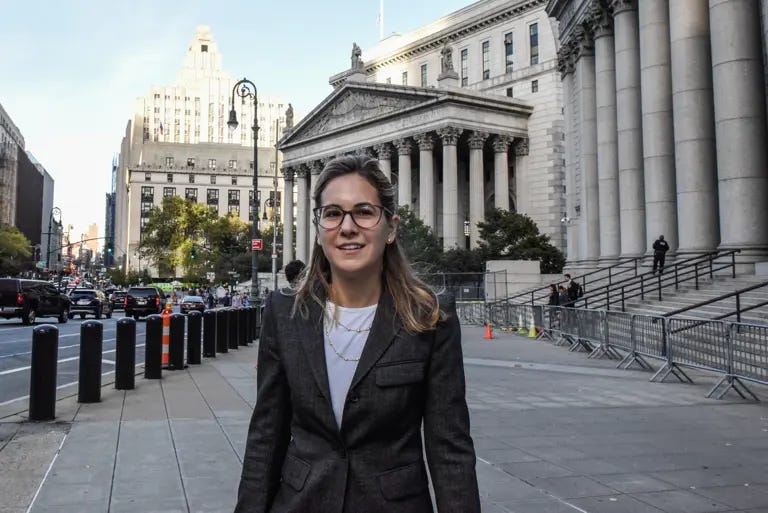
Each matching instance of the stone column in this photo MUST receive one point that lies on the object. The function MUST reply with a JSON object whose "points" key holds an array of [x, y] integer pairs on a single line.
{"points": [[629, 125], [476, 185], [566, 67], [694, 127], [501, 171], [521, 175], [607, 145], [288, 215], [384, 151], [451, 234], [427, 209], [315, 168], [404, 147], [739, 93], [658, 131], [585, 95], [302, 206]]}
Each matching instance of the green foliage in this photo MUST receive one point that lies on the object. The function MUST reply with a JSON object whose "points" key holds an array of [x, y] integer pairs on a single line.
{"points": [[462, 260], [418, 241], [116, 276], [507, 235], [15, 249]]}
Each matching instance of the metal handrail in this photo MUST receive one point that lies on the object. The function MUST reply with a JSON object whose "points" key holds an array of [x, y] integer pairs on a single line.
{"points": [[737, 294]]}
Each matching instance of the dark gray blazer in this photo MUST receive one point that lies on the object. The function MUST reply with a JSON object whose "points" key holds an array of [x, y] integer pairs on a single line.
{"points": [[298, 461]]}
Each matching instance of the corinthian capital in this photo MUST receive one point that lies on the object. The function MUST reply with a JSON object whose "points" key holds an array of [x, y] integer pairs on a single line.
{"points": [[521, 146], [288, 174], [585, 45], [501, 143], [619, 6], [601, 19], [477, 139], [450, 135], [384, 151], [425, 141], [404, 146], [301, 171]]}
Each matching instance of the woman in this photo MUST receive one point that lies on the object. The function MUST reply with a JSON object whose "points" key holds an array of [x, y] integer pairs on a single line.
{"points": [[554, 296], [349, 368]]}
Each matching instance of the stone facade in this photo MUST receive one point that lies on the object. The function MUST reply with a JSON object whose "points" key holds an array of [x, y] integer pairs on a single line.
{"points": [[11, 142], [455, 139], [678, 94]]}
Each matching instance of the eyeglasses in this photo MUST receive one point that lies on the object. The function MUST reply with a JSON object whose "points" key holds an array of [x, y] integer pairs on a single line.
{"points": [[363, 215]]}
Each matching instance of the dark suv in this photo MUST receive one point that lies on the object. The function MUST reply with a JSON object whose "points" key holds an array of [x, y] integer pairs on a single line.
{"points": [[30, 299], [142, 301], [117, 298], [89, 301]]}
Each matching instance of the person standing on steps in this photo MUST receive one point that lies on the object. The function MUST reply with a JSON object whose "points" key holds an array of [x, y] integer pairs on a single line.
{"points": [[660, 248]]}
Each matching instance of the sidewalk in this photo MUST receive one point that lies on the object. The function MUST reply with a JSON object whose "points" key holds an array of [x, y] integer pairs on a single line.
{"points": [[554, 433]]}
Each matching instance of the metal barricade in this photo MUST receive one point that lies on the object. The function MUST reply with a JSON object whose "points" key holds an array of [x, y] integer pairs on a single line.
{"points": [[590, 330], [541, 322], [569, 327], [696, 344], [471, 313], [748, 359]]}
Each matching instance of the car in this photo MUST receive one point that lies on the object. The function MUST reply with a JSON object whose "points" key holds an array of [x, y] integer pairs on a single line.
{"points": [[189, 303], [30, 299], [117, 298], [89, 301], [143, 301]]}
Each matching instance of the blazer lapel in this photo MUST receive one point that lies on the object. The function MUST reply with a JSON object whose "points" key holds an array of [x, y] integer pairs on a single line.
{"points": [[310, 331], [383, 331]]}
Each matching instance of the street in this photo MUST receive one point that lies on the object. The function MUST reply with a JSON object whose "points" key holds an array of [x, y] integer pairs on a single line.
{"points": [[16, 350]]}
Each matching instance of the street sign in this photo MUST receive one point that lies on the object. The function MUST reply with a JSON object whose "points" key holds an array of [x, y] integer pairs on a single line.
{"points": [[257, 244]]}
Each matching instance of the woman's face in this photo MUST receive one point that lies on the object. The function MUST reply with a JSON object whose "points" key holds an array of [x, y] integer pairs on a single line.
{"points": [[353, 250]]}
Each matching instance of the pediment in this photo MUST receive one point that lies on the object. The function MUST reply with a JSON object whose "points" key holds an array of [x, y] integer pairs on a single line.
{"points": [[351, 106]]}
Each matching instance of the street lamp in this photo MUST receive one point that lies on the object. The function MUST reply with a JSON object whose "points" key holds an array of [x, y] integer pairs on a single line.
{"points": [[246, 89], [466, 233]]}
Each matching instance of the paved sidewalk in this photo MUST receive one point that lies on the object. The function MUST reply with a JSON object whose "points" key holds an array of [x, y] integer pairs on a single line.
{"points": [[554, 433]]}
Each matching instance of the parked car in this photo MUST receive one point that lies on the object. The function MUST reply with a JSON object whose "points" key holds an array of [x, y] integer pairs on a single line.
{"points": [[89, 301], [117, 298], [143, 301], [189, 303], [30, 299]]}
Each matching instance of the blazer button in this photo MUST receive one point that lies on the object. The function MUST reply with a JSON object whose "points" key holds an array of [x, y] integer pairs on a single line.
{"points": [[354, 399]]}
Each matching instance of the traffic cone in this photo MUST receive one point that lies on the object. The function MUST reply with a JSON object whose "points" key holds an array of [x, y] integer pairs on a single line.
{"points": [[166, 315], [488, 331], [532, 332]]}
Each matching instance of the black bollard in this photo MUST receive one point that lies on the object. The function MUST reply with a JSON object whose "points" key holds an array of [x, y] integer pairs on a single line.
{"points": [[242, 314], [234, 328], [176, 347], [257, 316], [222, 330], [125, 354], [42, 380], [209, 334], [153, 348], [91, 346], [248, 327], [194, 324]]}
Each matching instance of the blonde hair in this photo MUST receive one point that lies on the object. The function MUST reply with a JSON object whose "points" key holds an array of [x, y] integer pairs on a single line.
{"points": [[416, 306]]}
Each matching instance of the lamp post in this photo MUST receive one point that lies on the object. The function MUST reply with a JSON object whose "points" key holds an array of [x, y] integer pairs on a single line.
{"points": [[246, 89], [275, 211], [466, 233]]}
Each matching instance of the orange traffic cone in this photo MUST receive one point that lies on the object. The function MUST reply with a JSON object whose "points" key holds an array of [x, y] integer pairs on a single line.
{"points": [[166, 315], [488, 331]]}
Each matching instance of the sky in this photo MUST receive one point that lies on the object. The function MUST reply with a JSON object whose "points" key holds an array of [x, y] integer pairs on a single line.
{"points": [[70, 70]]}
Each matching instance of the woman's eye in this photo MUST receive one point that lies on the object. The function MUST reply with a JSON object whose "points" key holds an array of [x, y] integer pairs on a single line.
{"points": [[365, 211], [332, 212]]}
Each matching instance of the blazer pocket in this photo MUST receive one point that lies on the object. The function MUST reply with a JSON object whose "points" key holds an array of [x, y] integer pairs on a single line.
{"points": [[403, 482], [402, 373], [295, 472]]}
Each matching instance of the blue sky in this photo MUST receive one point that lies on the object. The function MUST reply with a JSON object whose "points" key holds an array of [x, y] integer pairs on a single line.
{"points": [[71, 69]]}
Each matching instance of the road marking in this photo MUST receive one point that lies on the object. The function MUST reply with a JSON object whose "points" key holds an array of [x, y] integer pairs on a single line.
{"points": [[60, 348], [63, 360]]}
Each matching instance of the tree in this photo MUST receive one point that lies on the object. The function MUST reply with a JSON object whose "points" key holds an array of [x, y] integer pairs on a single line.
{"points": [[15, 248], [460, 260], [508, 235], [116, 276], [228, 247], [418, 241]]}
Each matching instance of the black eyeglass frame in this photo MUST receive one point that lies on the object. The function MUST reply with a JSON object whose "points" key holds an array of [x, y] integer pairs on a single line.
{"points": [[317, 211]]}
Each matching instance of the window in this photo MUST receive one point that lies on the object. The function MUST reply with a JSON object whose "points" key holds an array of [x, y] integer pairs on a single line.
{"points": [[191, 178], [423, 75], [534, 43], [234, 210], [509, 92], [486, 60], [169, 177], [147, 193], [213, 197], [250, 199], [169, 162], [272, 203], [233, 197], [534, 86], [145, 210], [250, 164], [147, 177], [232, 164], [211, 163], [404, 79], [204, 48], [509, 52], [234, 180], [213, 180], [157, 96], [190, 194], [190, 162], [169, 191], [464, 67], [389, 80]]}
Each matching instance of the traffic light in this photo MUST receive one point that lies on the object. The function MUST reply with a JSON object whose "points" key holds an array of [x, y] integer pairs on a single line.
{"points": [[192, 254], [109, 248]]}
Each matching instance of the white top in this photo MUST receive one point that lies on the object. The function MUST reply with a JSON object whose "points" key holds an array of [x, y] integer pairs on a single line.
{"points": [[344, 342]]}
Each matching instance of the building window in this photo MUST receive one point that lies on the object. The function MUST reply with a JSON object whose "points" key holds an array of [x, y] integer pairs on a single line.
{"points": [[169, 177], [534, 86], [423, 75], [147, 177], [191, 195], [211, 163], [272, 202], [190, 162], [204, 48], [213, 180], [509, 52], [233, 197], [464, 67], [232, 164], [191, 178], [510, 92], [234, 180], [250, 164], [213, 197], [534, 43], [486, 60], [157, 96], [169, 191], [234, 210], [404, 79], [148, 194]]}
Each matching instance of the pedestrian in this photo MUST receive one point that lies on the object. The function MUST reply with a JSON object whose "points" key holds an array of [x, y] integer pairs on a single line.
{"points": [[351, 366], [293, 271], [573, 289], [554, 299], [562, 296], [210, 300], [660, 248]]}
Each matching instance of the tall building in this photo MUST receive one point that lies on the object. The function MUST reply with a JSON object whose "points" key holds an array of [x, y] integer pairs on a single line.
{"points": [[11, 142], [665, 114], [92, 237], [464, 114], [109, 219], [46, 206], [178, 143], [30, 186]]}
